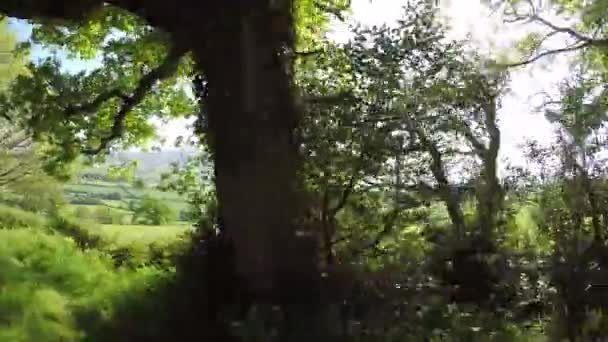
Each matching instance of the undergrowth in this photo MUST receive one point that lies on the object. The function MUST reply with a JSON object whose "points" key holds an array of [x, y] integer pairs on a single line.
{"points": [[52, 290]]}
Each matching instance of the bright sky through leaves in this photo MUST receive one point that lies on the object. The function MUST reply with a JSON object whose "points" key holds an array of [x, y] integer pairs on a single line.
{"points": [[465, 17]]}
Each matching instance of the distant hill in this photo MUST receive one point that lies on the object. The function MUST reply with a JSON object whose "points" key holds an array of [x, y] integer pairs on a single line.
{"points": [[151, 164]]}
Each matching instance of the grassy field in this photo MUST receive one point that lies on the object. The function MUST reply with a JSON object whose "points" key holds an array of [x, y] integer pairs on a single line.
{"points": [[126, 192], [124, 235]]}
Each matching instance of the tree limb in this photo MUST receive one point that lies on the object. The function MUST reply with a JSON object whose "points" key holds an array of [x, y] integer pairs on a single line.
{"points": [[344, 198], [96, 103], [167, 68], [582, 41], [70, 10], [580, 37], [308, 53], [328, 99], [329, 9], [547, 53], [479, 147]]}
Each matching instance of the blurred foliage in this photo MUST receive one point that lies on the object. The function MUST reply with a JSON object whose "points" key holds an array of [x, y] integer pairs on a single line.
{"points": [[152, 211], [41, 194], [45, 298]]}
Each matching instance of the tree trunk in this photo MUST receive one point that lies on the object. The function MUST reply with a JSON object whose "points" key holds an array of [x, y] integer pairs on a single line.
{"points": [[251, 132], [490, 194], [443, 185]]}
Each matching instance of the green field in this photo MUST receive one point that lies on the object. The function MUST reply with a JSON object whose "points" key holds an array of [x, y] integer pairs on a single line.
{"points": [[126, 192], [124, 235]]}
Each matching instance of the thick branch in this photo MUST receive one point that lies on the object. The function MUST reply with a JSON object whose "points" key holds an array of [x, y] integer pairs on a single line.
{"points": [[578, 36], [94, 105], [444, 187], [329, 99], [71, 10], [330, 9], [582, 41], [548, 53], [344, 198], [308, 53], [479, 147], [167, 68]]}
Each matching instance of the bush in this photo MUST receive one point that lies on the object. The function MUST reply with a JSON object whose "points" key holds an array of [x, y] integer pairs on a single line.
{"points": [[39, 194], [186, 215], [51, 291], [152, 211], [78, 230], [82, 212], [17, 218], [106, 215]]}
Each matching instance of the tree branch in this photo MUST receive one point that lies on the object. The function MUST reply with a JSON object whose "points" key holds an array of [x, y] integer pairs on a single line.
{"points": [[547, 53], [582, 41], [70, 10], [328, 99], [479, 147], [580, 37], [344, 198], [167, 68], [96, 103], [308, 53], [329, 9]]}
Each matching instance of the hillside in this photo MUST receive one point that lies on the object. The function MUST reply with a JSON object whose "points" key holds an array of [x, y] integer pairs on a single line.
{"points": [[151, 164]]}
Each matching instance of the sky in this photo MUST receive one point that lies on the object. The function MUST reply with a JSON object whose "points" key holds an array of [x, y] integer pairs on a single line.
{"points": [[517, 119], [465, 18]]}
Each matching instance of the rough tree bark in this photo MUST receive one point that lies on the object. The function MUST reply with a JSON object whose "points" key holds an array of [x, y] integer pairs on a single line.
{"points": [[251, 127]]}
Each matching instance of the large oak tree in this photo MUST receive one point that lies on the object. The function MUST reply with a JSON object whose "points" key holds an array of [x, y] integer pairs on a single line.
{"points": [[241, 56]]}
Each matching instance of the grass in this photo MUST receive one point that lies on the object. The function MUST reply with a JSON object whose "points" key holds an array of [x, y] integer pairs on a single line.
{"points": [[174, 200], [125, 235], [124, 190]]}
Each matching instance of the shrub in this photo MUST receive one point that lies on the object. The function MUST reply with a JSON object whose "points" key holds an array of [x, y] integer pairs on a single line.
{"points": [[39, 194], [83, 212], [78, 230], [17, 218], [106, 215], [51, 291], [152, 211]]}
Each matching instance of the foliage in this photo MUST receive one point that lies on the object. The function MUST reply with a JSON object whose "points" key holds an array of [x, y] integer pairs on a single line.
{"points": [[12, 59], [192, 180], [105, 215], [39, 194], [16, 218], [45, 298], [420, 239], [152, 211], [82, 212], [18, 156]]}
